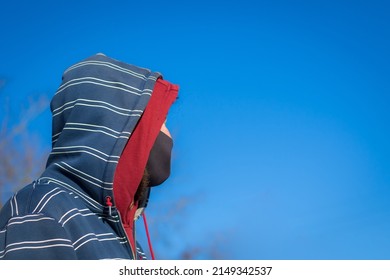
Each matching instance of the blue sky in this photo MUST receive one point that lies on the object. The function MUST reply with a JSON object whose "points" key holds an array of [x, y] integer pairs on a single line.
{"points": [[281, 129]]}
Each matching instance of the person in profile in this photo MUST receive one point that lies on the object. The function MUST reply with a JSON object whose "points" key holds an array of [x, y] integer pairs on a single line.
{"points": [[110, 144]]}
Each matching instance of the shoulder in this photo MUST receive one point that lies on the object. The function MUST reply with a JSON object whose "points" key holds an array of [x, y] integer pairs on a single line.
{"points": [[47, 199]]}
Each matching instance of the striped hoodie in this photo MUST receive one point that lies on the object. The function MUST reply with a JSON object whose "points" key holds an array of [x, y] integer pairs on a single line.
{"points": [[106, 117]]}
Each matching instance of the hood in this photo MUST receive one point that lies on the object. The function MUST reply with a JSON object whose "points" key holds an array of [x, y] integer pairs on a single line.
{"points": [[96, 125]]}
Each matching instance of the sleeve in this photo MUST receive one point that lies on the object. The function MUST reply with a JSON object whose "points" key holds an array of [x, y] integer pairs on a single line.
{"points": [[35, 237]]}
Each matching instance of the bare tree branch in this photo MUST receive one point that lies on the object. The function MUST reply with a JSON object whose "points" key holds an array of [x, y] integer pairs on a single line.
{"points": [[170, 223], [21, 161]]}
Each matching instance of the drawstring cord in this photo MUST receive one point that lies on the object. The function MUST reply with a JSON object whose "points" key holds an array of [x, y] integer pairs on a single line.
{"points": [[148, 236], [109, 204]]}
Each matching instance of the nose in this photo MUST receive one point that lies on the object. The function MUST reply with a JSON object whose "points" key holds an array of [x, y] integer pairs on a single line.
{"points": [[165, 130]]}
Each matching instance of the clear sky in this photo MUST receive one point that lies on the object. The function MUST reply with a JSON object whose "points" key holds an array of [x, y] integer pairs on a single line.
{"points": [[281, 129]]}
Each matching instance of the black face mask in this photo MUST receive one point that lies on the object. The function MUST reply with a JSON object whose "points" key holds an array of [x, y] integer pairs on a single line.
{"points": [[159, 162]]}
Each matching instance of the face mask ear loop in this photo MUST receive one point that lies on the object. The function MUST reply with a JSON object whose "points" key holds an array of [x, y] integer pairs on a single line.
{"points": [[148, 236]]}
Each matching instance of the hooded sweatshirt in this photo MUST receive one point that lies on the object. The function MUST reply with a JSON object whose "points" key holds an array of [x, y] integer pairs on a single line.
{"points": [[106, 117]]}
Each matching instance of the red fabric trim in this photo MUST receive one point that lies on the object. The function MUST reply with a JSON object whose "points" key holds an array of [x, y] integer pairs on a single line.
{"points": [[132, 162]]}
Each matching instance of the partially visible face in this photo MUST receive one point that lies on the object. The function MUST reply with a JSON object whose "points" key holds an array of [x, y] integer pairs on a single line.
{"points": [[165, 130], [158, 167], [159, 162]]}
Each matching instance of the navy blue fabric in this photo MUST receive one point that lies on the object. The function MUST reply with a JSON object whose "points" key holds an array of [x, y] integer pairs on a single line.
{"points": [[63, 215]]}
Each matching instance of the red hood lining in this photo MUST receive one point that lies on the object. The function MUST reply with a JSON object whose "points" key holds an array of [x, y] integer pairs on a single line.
{"points": [[133, 160]]}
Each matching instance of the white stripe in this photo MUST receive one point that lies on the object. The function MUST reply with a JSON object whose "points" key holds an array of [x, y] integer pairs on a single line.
{"points": [[96, 179], [110, 220], [110, 65], [98, 126], [83, 151], [87, 147], [55, 135], [104, 234], [93, 234], [12, 208], [50, 199], [38, 242], [88, 234], [67, 214], [26, 216], [107, 259], [16, 205], [74, 126], [107, 64], [103, 81], [91, 130], [86, 241], [95, 238], [122, 240], [36, 247], [53, 190], [107, 239], [122, 136], [86, 198], [96, 101], [83, 178], [102, 85], [79, 210], [104, 216], [77, 214], [28, 221], [96, 106]]}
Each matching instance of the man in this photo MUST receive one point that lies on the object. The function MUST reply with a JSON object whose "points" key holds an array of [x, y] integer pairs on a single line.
{"points": [[110, 144]]}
